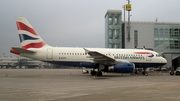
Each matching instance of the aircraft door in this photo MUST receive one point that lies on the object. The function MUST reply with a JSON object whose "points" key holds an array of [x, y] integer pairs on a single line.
{"points": [[49, 53]]}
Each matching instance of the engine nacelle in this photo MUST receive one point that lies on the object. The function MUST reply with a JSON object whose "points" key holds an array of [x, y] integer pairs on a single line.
{"points": [[121, 68]]}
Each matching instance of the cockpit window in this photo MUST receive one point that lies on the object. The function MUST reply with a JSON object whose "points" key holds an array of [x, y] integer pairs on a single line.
{"points": [[157, 55]]}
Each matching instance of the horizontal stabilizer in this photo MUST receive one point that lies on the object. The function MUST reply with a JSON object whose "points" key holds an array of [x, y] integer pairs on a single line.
{"points": [[20, 50]]}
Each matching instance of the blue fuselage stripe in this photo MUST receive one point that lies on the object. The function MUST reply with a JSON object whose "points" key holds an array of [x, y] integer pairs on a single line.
{"points": [[91, 65]]}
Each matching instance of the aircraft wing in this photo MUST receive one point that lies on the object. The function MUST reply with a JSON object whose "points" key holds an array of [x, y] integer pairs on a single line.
{"points": [[98, 57]]}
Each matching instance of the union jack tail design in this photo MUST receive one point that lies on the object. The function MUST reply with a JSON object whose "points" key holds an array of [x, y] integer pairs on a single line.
{"points": [[27, 35]]}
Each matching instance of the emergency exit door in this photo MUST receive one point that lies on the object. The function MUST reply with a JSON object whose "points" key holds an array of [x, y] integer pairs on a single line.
{"points": [[49, 53]]}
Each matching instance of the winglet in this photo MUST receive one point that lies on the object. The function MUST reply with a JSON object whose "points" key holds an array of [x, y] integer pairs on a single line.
{"points": [[86, 50]]}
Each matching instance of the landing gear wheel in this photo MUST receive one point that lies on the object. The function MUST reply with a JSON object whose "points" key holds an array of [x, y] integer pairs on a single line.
{"points": [[99, 73], [171, 73], [93, 73], [136, 72], [145, 73], [177, 73]]}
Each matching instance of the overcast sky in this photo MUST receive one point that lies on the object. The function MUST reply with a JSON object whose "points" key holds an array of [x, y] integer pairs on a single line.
{"points": [[72, 23]]}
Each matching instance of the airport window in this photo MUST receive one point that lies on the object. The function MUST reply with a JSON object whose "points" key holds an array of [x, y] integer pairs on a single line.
{"points": [[135, 38], [110, 46], [115, 20], [161, 34], [110, 20], [116, 33], [110, 33]]}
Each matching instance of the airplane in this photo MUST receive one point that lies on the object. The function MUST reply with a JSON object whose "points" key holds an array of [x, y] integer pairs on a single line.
{"points": [[100, 59]]}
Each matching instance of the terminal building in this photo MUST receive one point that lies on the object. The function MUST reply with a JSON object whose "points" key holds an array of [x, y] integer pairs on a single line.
{"points": [[162, 37], [20, 62]]}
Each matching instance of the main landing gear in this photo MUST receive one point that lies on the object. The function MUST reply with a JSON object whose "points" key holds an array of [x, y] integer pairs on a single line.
{"points": [[144, 72], [96, 73]]}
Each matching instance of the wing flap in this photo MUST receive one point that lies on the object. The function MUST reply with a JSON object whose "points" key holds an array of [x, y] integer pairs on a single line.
{"points": [[100, 58]]}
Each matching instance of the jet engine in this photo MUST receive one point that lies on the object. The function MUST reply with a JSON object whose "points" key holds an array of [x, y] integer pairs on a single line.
{"points": [[121, 68]]}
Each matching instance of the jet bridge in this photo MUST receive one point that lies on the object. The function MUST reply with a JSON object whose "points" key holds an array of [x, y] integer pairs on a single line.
{"points": [[173, 59]]}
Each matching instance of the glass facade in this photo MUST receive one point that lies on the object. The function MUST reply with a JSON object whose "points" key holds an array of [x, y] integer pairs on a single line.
{"points": [[113, 29], [167, 38]]}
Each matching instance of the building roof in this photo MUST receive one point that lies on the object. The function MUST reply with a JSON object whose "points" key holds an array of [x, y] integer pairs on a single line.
{"points": [[153, 22], [110, 11]]}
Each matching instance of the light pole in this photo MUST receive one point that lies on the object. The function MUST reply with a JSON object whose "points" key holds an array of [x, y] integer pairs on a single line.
{"points": [[128, 8], [124, 7]]}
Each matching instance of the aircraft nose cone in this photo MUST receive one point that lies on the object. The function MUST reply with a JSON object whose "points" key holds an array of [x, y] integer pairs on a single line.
{"points": [[164, 60]]}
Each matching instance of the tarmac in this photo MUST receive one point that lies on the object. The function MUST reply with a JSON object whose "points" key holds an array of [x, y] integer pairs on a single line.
{"points": [[72, 85]]}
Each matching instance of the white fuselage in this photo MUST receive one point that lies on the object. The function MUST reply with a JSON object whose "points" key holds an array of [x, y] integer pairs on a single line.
{"points": [[78, 55]]}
